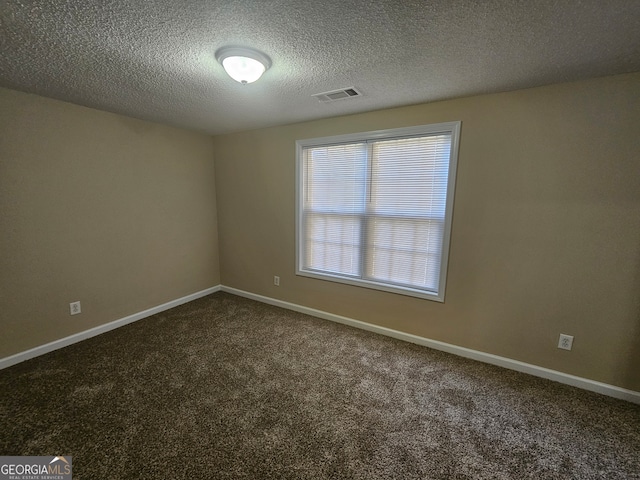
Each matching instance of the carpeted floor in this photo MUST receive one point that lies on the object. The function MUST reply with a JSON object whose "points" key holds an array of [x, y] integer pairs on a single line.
{"points": [[228, 388]]}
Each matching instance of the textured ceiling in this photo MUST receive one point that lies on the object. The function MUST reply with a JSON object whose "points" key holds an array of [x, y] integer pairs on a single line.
{"points": [[154, 59]]}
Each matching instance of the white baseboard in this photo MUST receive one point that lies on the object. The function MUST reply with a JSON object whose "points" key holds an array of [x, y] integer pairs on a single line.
{"points": [[565, 378], [78, 337]]}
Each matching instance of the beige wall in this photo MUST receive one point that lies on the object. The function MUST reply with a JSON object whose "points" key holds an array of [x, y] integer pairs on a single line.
{"points": [[121, 214], [546, 227], [115, 212]]}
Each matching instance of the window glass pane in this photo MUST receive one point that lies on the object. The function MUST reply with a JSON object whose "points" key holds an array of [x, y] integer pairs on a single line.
{"points": [[335, 178], [403, 251], [409, 176], [332, 243]]}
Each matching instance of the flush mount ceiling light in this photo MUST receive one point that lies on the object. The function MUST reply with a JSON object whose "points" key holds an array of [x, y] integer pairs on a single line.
{"points": [[244, 65]]}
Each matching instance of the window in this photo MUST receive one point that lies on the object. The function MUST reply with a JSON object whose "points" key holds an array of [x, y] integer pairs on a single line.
{"points": [[374, 209]]}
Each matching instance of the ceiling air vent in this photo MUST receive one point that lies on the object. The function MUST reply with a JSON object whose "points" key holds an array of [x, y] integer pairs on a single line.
{"points": [[334, 95]]}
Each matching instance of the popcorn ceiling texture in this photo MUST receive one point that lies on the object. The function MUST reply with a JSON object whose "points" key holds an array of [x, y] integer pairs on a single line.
{"points": [[155, 59]]}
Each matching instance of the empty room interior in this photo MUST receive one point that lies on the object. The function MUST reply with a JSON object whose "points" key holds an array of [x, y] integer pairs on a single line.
{"points": [[400, 241]]}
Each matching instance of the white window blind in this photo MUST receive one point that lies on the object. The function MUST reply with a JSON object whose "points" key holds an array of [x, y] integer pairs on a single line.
{"points": [[375, 209]]}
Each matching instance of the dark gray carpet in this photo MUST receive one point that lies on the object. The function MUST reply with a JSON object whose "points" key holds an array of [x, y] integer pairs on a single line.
{"points": [[228, 388]]}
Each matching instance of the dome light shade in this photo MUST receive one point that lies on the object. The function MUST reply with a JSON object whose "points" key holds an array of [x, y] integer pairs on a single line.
{"points": [[244, 65], [243, 69]]}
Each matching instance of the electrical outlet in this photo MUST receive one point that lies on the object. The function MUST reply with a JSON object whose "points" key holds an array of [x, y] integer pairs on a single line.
{"points": [[74, 308], [276, 281], [565, 342]]}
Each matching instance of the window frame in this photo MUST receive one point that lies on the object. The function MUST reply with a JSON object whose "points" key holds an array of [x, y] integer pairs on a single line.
{"points": [[452, 128]]}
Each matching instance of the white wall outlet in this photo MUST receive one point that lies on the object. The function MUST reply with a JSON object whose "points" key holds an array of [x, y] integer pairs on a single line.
{"points": [[74, 308], [276, 281], [565, 342]]}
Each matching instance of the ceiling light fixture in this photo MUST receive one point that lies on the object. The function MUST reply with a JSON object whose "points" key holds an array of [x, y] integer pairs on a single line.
{"points": [[244, 65]]}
